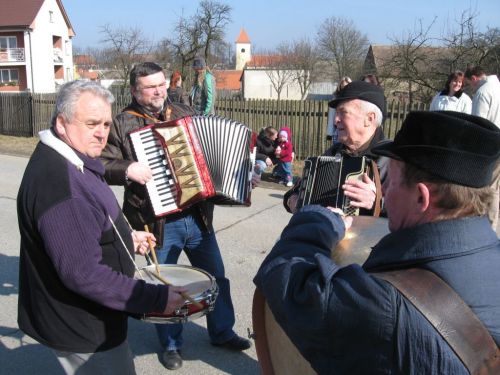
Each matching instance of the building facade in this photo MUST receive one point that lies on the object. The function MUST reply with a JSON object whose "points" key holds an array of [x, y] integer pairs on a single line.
{"points": [[35, 46]]}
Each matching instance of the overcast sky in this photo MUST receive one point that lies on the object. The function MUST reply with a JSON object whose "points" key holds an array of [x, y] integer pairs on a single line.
{"points": [[269, 22]]}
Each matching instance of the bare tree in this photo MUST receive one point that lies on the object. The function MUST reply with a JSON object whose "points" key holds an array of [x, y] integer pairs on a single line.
{"points": [[414, 63], [213, 17], [125, 48], [278, 68], [471, 47], [303, 59], [420, 63], [343, 45], [201, 34]]}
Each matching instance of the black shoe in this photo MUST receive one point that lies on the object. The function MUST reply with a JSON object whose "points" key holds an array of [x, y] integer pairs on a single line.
{"points": [[237, 343], [172, 359]]}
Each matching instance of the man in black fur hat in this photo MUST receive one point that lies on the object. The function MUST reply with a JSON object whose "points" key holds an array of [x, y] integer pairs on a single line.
{"points": [[353, 319], [360, 107]]}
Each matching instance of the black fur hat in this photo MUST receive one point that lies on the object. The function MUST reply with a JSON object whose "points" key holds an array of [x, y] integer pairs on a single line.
{"points": [[457, 147]]}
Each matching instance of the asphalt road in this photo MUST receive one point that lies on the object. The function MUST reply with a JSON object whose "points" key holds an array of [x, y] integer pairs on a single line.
{"points": [[245, 235]]}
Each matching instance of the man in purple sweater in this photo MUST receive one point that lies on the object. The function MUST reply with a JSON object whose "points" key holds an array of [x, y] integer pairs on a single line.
{"points": [[76, 285]]}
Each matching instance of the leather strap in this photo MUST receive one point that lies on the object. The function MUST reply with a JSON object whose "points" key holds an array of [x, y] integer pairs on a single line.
{"points": [[377, 207], [450, 316]]}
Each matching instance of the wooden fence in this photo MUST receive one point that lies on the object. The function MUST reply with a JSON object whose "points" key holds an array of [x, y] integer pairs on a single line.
{"points": [[25, 114]]}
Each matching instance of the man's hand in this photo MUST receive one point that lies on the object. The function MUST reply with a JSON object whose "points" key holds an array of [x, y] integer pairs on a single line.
{"points": [[346, 219], [139, 173], [362, 192], [141, 243], [175, 300]]}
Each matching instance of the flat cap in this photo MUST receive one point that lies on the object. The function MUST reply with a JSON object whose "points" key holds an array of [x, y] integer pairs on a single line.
{"points": [[363, 91], [457, 147]]}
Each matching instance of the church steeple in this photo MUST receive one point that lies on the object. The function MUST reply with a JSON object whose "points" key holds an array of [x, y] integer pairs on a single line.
{"points": [[243, 50]]}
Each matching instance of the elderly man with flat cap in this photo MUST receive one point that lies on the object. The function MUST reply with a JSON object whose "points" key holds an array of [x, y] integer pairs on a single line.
{"points": [[360, 107], [383, 317]]}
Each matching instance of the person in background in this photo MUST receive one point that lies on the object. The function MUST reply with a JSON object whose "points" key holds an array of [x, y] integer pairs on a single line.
{"points": [[486, 100], [265, 155], [284, 156], [486, 103], [175, 91], [358, 118], [76, 285], [436, 195], [452, 97], [203, 92], [331, 131], [190, 231]]}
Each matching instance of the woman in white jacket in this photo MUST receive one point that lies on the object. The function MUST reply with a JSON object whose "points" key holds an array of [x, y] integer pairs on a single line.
{"points": [[452, 98]]}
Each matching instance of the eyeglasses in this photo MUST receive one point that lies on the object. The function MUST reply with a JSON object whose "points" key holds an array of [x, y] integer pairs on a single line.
{"points": [[154, 87]]}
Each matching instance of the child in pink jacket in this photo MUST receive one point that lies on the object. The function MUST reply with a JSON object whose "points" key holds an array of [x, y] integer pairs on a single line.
{"points": [[284, 154]]}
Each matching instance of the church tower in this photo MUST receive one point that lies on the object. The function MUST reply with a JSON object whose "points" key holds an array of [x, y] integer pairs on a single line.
{"points": [[243, 51]]}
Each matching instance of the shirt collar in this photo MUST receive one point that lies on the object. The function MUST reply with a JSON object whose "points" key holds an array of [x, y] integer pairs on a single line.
{"points": [[81, 161]]}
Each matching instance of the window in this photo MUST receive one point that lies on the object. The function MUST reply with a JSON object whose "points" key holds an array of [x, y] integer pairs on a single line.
{"points": [[51, 16], [242, 50], [67, 47], [8, 42], [9, 75]]}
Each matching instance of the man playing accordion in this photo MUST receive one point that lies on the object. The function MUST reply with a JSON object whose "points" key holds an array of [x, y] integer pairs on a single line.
{"points": [[359, 114]]}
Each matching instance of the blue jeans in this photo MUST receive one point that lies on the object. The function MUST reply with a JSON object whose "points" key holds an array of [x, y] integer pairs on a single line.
{"points": [[187, 233], [284, 170], [262, 166]]}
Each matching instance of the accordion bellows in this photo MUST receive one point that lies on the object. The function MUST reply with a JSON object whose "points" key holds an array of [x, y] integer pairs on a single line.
{"points": [[195, 158]]}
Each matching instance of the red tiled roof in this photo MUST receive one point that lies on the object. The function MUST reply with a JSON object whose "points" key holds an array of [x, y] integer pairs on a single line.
{"points": [[92, 75], [84, 60], [264, 61], [22, 13], [228, 79], [243, 37]]}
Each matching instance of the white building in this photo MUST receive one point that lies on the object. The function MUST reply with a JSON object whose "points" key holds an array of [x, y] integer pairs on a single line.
{"points": [[35, 45], [254, 75]]}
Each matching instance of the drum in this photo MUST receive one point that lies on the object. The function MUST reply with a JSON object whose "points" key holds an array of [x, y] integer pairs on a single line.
{"points": [[276, 353], [200, 285]]}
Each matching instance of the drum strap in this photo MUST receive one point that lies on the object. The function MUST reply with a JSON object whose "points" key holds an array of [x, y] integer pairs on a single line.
{"points": [[450, 316]]}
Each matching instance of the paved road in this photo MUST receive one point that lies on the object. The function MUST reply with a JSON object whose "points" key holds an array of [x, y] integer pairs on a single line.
{"points": [[245, 235]]}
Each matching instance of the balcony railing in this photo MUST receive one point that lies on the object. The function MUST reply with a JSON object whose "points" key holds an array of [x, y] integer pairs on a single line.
{"points": [[58, 55], [11, 54]]}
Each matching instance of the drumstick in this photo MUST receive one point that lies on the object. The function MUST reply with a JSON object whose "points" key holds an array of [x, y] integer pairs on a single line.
{"points": [[153, 252], [163, 280], [184, 295]]}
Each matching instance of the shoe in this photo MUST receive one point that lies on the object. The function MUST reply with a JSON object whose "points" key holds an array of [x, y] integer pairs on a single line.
{"points": [[237, 343], [289, 183], [172, 359]]}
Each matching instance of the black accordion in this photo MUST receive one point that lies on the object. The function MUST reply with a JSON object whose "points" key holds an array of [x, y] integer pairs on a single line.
{"points": [[323, 177], [195, 158]]}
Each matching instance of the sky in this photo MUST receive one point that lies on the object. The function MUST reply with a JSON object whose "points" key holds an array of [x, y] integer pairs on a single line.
{"points": [[270, 22]]}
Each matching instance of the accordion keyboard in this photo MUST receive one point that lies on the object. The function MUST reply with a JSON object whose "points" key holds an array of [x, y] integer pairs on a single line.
{"points": [[161, 188]]}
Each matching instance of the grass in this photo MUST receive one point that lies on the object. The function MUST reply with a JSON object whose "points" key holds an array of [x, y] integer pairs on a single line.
{"points": [[18, 146]]}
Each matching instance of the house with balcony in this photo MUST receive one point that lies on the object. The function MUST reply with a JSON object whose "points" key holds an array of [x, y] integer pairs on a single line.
{"points": [[35, 45]]}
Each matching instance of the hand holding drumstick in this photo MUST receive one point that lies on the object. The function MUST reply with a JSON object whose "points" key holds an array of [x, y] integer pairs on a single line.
{"points": [[158, 276]]}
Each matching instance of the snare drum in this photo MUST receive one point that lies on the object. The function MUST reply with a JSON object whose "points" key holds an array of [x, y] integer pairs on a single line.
{"points": [[200, 285]]}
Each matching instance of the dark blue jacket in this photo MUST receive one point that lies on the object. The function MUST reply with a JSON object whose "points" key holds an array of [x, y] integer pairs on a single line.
{"points": [[346, 321]]}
